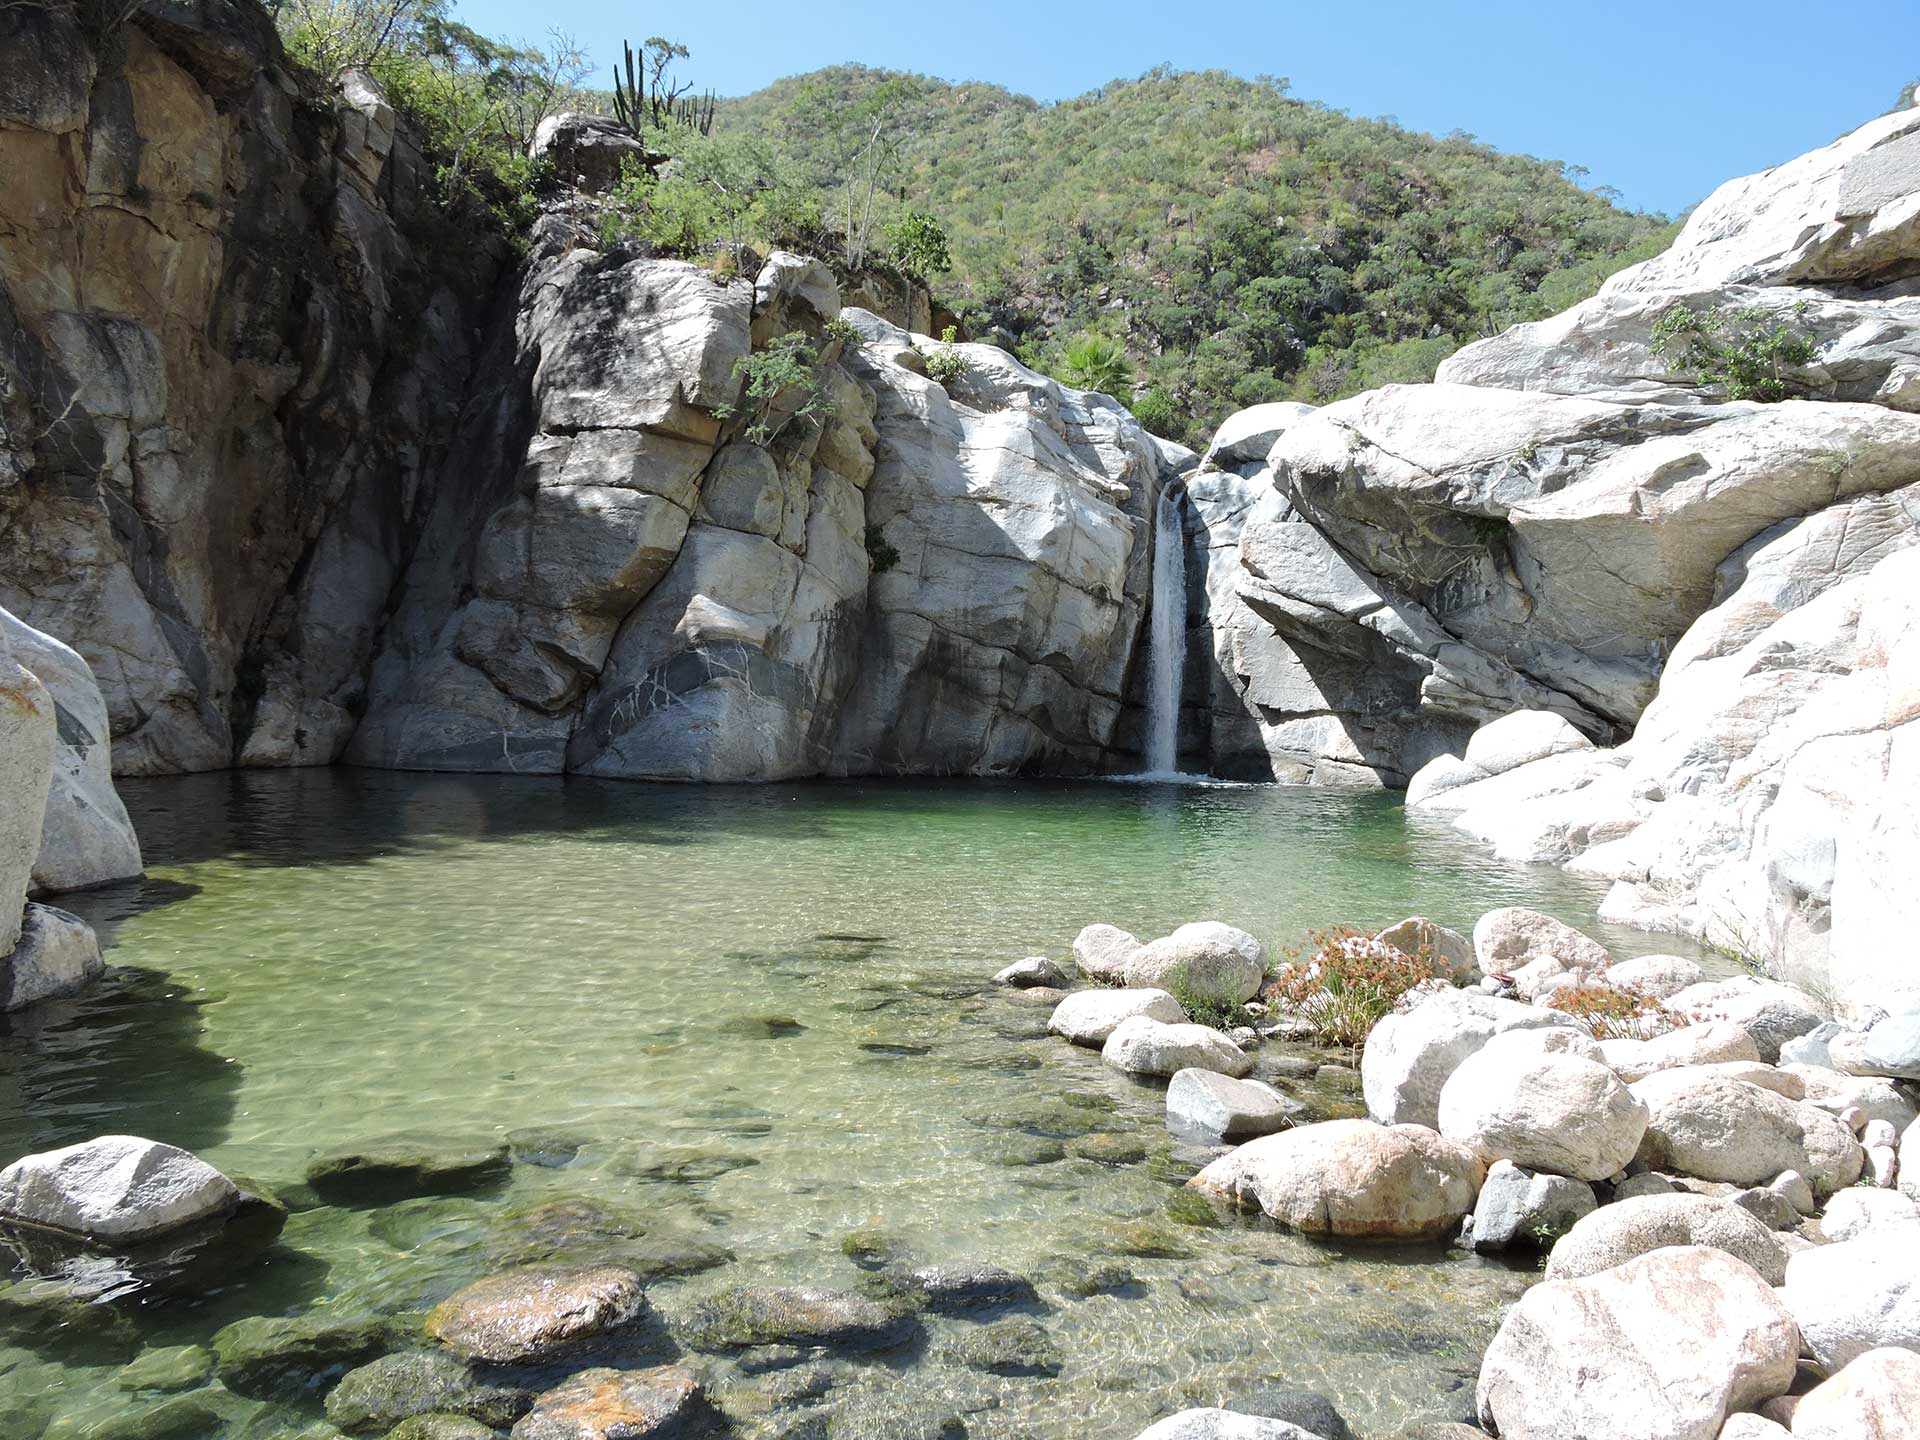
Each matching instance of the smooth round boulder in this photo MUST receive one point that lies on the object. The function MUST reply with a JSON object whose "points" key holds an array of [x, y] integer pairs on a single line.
{"points": [[1141, 1045], [1351, 1178], [1876, 1397], [1089, 1017], [1857, 1209], [1450, 952], [1557, 1112], [1617, 1233], [1410, 1054], [1211, 1424], [1207, 957], [656, 1404], [1856, 1296], [1655, 976], [537, 1312], [1036, 971], [117, 1188], [1714, 1128], [58, 954], [1713, 1043], [1663, 1347], [1219, 1109], [1102, 952], [1506, 939]]}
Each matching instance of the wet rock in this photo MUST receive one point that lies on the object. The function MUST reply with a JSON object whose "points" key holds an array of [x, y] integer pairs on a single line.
{"points": [[383, 1171], [1352, 1178], [57, 954], [1210, 958], [1856, 1296], [270, 1359], [1619, 1232], [1876, 1397], [1015, 1152], [747, 1315], [1089, 1017], [118, 1188], [580, 1231], [872, 1248], [1106, 1148], [167, 1369], [537, 1312], [1663, 1347], [762, 1027], [1556, 1112], [378, 1396], [957, 1286], [659, 1404], [1222, 1425], [685, 1165], [1720, 1129], [1085, 1279], [1141, 1045], [1145, 1241], [185, 1417], [440, 1427], [1522, 1209], [1205, 1105], [550, 1149], [1102, 952], [1033, 972], [1015, 1347]]}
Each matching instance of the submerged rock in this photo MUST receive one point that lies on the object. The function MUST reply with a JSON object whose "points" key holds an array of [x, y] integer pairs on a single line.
{"points": [[747, 1315], [957, 1286], [378, 1396], [382, 1171], [273, 1359], [1009, 1347], [440, 1427], [167, 1369], [1663, 1347], [658, 1404], [1352, 1178], [537, 1312]]}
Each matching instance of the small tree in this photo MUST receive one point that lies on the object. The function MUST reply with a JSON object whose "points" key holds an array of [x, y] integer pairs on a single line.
{"points": [[1093, 362], [919, 245], [1747, 353]]}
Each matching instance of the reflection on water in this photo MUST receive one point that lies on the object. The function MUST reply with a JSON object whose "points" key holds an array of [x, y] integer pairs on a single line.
{"points": [[756, 1019]]}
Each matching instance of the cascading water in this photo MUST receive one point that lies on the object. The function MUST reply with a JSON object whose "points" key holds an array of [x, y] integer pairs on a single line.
{"points": [[1166, 636]]}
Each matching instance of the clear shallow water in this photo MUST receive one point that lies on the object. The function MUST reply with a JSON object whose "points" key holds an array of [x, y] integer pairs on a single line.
{"points": [[763, 1015]]}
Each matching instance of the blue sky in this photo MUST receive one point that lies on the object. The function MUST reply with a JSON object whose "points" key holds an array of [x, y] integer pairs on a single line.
{"points": [[1662, 102]]}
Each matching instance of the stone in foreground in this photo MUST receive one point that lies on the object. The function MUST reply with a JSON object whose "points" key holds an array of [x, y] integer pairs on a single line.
{"points": [[1629, 1228], [1205, 1105], [1556, 1112], [1856, 1296], [1521, 1209], [1877, 1397], [1663, 1347], [537, 1312], [1089, 1017], [118, 1188], [58, 955], [1351, 1178], [1140, 1045], [957, 1286], [617, 1405], [1208, 1424]]}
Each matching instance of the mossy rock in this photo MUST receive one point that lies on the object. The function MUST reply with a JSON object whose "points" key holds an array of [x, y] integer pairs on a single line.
{"points": [[762, 1027], [1146, 1241], [581, 1231], [168, 1369], [1186, 1207], [185, 1417], [1084, 1279], [440, 1427], [1016, 1151], [872, 1248], [684, 1165], [1110, 1149], [45, 1316], [1017, 1347], [378, 1396], [549, 1147], [398, 1167], [748, 1315], [266, 1358]]}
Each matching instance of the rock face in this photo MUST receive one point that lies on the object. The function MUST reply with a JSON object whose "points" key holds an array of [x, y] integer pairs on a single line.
{"points": [[1351, 1178], [1663, 1347], [118, 1188], [86, 838], [210, 484], [26, 759]]}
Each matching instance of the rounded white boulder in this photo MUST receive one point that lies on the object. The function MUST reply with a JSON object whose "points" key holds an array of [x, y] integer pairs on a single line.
{"points": [[1543, 1110], [115, 1188], [1617, 1233], [1088, 1017], [1141, 1045], [1211, 958]]}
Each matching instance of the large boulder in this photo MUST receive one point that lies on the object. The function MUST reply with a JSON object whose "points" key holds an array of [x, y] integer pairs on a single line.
{"points": [[1889, 1047], [116, 1189], [1245, 437], [1351, 1178], [1713, 1042], [1507, 939], [1211, 958], [1857, 1209], [1876, 1397], [1089, 1017], [1142, 1045], [27, 738], [1856, 1296], [1557, 1112], [86, 838], [1663, 1347], [1716, 1128], [1410, 1054], [589, 152], [58, 954], [1103, 951], [1616, 1233], [1770, 1012]]}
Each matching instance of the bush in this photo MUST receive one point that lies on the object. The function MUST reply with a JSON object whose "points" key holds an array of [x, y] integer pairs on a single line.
{"points": [[727, 191], [1155, 410], [919, 245], [1344, 982], [1747, 353], [1093, 362], [1611, 1014], [786, 373], [881, 556], [945, 364], [1205, 1004]]}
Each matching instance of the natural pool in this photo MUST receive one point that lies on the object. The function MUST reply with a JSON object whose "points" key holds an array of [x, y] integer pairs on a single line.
{"points": [[761, 1015]]}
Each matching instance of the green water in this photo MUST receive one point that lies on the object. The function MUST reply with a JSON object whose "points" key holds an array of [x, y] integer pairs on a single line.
{"points": [[320, 958]]}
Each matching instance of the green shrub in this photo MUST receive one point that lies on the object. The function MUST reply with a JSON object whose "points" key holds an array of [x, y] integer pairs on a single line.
{"points": [[881, 556], [1157, 412], [1211, 1005], [1344, 982], [1748, 353], [945, 363], [919, 245], [784, 377], [1094, 362]]}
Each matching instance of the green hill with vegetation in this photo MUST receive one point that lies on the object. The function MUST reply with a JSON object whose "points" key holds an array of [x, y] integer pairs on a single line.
{"points": [[1237, 244]]}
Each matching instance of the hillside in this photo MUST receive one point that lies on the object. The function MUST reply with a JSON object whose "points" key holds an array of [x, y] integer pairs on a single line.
{"points": [[1242, 244]]}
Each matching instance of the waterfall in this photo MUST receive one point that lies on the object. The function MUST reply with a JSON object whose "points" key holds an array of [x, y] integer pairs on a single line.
{"points": [[1167, 636]]}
